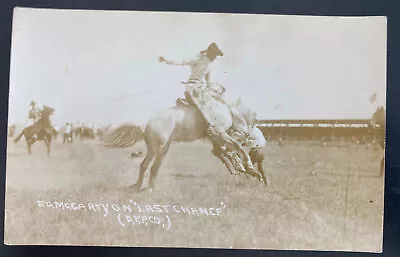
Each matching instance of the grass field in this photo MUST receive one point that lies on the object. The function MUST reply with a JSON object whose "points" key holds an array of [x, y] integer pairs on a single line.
{"points": [[320, 198]]}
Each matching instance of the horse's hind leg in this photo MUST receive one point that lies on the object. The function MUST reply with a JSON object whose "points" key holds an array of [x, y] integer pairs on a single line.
{"points": [[143, 167], [157, 163], [154, 170]]}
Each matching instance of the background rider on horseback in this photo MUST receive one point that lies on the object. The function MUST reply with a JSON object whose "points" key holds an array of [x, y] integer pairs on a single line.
{"points": [[41, 129], [34, 113]]}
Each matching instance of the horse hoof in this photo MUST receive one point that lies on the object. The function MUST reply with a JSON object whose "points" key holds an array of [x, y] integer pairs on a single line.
{"points": [[266, 182], [134, 187], [251, 170], [148, 190]]}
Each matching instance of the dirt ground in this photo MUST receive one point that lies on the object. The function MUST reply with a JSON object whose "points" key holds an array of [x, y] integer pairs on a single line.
{"points": [[327, 198]]}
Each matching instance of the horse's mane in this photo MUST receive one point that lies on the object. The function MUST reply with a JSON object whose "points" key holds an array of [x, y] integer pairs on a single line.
{"points": [[45, 114]]}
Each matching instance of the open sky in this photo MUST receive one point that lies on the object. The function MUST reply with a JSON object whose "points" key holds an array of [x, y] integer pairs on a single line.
{"points": [[102, 66]]}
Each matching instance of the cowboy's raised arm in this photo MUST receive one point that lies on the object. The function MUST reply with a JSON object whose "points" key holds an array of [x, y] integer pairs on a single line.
{"points": [[207, 77], [185, 62]]}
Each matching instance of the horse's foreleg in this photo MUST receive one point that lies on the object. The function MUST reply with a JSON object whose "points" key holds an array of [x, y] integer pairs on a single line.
{"points": [[234, 146], [228, 163], [157, 163], [217, 151], [48, 145], [29, 144], [19, 136], [258, 158]]}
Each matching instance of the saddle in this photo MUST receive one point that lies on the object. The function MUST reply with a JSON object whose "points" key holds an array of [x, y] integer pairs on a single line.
{"points": [[209, 101]]}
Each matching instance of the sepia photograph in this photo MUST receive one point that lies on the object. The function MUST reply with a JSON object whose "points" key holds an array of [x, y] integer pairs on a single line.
{"points": [[196, 130]]}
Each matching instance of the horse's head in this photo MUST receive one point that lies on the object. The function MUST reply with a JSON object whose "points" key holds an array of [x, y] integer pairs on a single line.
{"points": [[46, 111], [249, 115]]}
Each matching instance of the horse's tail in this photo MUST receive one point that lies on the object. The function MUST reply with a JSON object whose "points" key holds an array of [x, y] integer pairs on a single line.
{"points": [[124, 136], [19, 136]]}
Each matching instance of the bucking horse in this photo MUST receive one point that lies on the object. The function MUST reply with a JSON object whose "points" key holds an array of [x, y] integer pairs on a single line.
{"points": [[181, 123], [40, 130]]}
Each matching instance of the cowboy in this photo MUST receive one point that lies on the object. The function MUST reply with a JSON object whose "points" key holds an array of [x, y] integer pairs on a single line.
{"points": [[68, 133], [200, 73], [68, 128], [33, 113]]}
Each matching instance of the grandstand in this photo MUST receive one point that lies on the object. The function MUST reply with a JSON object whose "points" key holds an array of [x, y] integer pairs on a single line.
{"points": [[353, 129]]}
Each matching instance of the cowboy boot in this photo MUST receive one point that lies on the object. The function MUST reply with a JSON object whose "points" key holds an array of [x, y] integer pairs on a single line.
{"points": [[181, 101], [188, 98]]}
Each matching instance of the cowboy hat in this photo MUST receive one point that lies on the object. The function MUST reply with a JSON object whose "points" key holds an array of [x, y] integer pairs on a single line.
{"points": [[213, 47], [213, 51]]}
